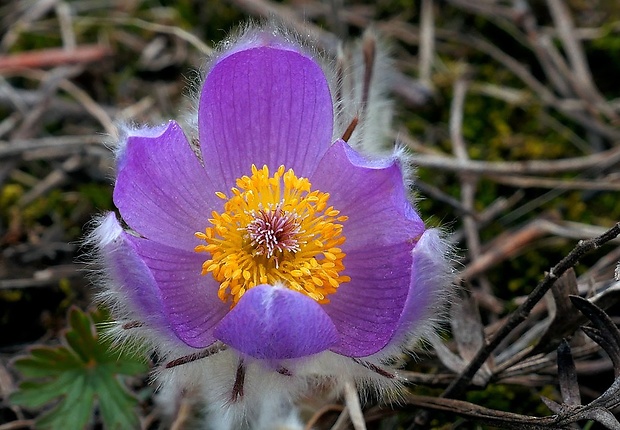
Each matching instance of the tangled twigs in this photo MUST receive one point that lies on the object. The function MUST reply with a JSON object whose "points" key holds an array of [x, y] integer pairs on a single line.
{"points": [[512, 420], [458, 386], [54, 57]]}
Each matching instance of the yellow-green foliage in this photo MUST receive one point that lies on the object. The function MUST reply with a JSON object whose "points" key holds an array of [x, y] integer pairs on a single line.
{"points": [[511, 398]]}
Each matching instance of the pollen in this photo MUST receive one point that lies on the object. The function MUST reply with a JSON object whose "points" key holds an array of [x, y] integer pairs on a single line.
{"points": [[274, 230]]}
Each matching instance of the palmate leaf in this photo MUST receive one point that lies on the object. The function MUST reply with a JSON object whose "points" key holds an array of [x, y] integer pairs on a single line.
{"points": [[82, 372]]}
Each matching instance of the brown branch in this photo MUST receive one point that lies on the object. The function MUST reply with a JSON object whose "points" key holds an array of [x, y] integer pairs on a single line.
{"points": [[315, 418], [573, 49], [480, 413], [573, 109], [502, 248], [598, 184], [18, 424], [410, 90], [427, 42], [600, 160], [68, 143], [583, 247], [54, 57]]}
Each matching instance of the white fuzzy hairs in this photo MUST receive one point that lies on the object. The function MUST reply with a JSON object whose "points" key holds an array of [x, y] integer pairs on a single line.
{"points": [[358, 80]]}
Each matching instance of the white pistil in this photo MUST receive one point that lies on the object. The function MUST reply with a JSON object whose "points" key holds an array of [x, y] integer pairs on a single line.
{"points": [[273, 230]]}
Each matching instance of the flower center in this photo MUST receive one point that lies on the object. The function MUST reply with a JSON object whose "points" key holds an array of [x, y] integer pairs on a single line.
{"points": [[274, 230]]}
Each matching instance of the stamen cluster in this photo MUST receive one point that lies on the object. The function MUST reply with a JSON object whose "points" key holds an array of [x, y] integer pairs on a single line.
{"points": [[275, 230]]}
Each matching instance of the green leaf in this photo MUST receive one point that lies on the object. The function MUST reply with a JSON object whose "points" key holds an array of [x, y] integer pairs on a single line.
{"points": [[76, 375]]}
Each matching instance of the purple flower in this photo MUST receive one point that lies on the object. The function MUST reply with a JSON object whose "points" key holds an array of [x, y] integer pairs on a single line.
{"points": [[264, 236]]}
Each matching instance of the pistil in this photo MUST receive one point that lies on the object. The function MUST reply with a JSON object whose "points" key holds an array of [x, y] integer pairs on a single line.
{"points": [[273, 231]]}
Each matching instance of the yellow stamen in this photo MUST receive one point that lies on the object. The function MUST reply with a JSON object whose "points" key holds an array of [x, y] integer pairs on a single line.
{"points": [[275, 230]]}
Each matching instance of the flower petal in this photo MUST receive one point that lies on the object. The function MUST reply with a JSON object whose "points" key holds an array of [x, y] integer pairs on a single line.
{"points": [[276, 323], [131, 278], [366, 310], [430, 276], [380, 232], [264, 105], [162, 191], [372, 194], [190, 301]]}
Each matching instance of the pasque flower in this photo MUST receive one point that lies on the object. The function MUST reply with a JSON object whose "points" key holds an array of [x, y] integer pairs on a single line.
{"points": [[260, 246]]}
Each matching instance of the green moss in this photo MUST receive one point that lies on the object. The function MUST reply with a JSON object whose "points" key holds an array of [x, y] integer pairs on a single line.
{"points": [[510, 398], [97, 195], [10, 194]]}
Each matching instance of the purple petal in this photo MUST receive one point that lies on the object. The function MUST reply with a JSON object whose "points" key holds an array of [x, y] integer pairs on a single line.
{"points": [[264, 105], [190, 301], [366, 310], [138, 131], [380, 233], [276, 323], [162, 191], [429, 278], [131, 277], [372, 194]]}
